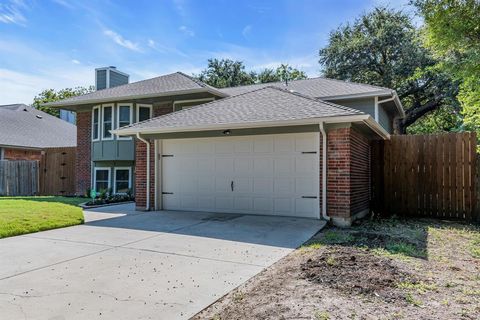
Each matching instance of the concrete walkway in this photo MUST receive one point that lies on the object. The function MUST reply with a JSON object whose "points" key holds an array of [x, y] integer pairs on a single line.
{"points": [[127, 265]]}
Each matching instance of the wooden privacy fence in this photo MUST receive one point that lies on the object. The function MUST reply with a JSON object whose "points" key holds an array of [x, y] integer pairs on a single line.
{"points": [[426, 175], [18, 178], [57, 171]]}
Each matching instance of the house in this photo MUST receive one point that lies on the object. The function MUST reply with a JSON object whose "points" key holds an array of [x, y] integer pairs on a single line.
{"points": [[300, 149], [25, 132]]}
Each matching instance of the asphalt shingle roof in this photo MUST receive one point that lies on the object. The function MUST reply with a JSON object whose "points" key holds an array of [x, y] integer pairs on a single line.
{"points": [[261, 105], [162, 85], [24, 126], [315, 87]]}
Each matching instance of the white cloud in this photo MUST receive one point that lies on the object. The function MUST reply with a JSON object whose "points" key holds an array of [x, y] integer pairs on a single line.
{"points": [[246, 30], [75, 61], [187, 31], [165, 49], [11, 12], [121, 41]]}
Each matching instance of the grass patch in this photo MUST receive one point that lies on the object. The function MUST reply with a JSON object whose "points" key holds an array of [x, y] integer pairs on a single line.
{"points": [[475, 247], [406, 249], [21, 215], [420, 287]]}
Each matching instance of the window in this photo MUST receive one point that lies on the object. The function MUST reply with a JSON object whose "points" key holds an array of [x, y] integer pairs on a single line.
{"points": [[124, 117], [102, 179], [144, 112], [96, 123], [107, 122], [122, 180]]}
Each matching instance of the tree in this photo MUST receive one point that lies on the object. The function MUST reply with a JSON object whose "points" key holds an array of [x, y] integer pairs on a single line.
{"points": [[228, 73], [452, 31], [51, 95], [384, 48]]}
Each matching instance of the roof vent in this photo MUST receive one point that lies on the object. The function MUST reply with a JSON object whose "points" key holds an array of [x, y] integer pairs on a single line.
{"points": [[109, 77]]}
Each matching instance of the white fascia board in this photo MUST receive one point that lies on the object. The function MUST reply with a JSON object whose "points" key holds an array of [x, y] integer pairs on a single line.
{"points": [[380, 93], [59, 104], [335, 119]]}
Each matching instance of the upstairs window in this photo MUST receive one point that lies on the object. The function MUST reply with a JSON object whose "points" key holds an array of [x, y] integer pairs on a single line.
{"points": [[96, 123], [124, 117], [144, 112], [107, 121]]}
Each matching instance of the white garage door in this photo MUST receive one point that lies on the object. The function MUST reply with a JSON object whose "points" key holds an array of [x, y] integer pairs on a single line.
{"points": [[263, 174]]}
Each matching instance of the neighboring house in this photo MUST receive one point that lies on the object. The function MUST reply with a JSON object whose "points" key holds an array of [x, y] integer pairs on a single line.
{"points": [[25, 132], [301, 149]]}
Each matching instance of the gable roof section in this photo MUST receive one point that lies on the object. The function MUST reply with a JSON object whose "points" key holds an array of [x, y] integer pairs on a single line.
{"points": [[24, 126], [261, 106], [317, 87], [169, 84]]}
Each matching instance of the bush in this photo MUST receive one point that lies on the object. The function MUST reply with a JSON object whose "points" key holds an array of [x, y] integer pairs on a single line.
{"points": [[105, 197]]}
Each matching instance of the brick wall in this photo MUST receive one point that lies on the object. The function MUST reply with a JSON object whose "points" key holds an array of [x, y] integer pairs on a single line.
{"points": [[22, 154], [141, 164], [84, 144], [359, 172], [348, 174]]}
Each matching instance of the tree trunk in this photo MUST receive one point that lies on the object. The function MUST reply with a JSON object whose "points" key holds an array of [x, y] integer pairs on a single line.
{"points": [[413, 114]]}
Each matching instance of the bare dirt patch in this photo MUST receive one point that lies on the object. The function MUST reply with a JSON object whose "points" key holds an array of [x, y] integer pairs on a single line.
{"points": [[390, 269], [354, 271]]}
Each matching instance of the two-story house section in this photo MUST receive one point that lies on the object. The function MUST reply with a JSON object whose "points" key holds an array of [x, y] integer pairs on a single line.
{"points": [[108, 161]]}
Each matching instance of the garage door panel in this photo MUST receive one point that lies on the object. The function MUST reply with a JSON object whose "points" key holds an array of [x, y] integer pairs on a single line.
{"points": [[263, 205], [263, 144], [224, 203], [243, 204], [243, 166], [283, 206], [263, 166], [270, 174], [262, 185]]}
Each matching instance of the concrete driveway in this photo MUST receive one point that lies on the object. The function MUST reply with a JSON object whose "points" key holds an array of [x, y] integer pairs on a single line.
{"points": [[127, 265]]}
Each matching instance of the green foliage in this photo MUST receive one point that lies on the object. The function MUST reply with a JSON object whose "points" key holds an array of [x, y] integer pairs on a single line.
{"points": [[51, 95], [452, 31], [384, 48], [225, 73], [228, 73], [443, 119]]}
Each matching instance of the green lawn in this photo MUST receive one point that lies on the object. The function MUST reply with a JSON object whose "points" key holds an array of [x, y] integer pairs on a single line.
{"points": [[20, 215]]}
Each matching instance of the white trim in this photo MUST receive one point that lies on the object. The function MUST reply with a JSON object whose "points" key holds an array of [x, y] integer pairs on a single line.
{"points": [[130, 105], [158, 175], [324, 171], [115, 178], [112, 105], [99, 122], [191, 100], [95, 177], [376, 109], [141, 105], [107, 78], [371, 94]]}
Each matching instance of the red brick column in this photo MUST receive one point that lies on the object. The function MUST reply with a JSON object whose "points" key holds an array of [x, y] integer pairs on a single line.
{"points": [[141, 175], [84, 145], [141, 164], [348, 175], [338, 173]]}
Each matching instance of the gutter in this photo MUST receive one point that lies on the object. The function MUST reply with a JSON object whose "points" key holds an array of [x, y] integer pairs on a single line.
{"points": [[147, 208], [324, 172]]}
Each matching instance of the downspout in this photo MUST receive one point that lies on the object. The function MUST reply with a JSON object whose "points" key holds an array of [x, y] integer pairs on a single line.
{"points": [[324, 172], [148, 169]]}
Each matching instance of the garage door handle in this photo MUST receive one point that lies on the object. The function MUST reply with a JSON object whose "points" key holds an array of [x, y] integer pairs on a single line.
{"points": [[231, 185]]}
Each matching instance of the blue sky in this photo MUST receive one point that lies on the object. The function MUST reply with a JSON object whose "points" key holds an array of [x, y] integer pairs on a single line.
{"points": [[58, 43]]}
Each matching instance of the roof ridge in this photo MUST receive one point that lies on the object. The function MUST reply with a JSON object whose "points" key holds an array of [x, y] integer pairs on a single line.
{"points": [[246, 93]]}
